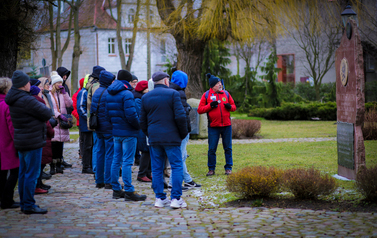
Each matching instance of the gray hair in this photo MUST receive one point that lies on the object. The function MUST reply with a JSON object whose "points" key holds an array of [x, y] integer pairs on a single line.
{"points": [[5, 85]]}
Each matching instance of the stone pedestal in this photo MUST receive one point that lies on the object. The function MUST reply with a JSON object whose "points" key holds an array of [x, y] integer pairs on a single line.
{"points": [[350, 100], [203, 121]]}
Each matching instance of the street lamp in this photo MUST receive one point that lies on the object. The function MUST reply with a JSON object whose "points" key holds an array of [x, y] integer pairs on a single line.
{"points": [[349, 13]]}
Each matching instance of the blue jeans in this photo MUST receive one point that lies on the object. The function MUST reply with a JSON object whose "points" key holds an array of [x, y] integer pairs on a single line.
{"points": [[158, 155], [94, 152], [213, 140], [30, 168], [124, 153], [105, 154], [186, 176]]}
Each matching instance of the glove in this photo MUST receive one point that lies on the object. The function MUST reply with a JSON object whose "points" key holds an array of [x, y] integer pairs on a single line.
{"points": [[53, 122], [63, 117], [62, 89], [214, 104], [227, 106]]}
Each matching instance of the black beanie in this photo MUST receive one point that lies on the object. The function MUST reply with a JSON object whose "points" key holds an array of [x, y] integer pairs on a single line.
{"points": [[213, 80], [124, 75], [19, 79]]}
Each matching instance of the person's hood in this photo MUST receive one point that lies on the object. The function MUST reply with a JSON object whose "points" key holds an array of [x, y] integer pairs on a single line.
{"points": [[2, 97], [86, 80], [81, 83], [96, 71], [180, 78], [106, 78], [14, 94], [63, 71], [137, 94], [174, 86], [118, 86]]}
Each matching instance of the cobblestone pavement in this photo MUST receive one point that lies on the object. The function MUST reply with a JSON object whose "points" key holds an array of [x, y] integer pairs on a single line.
{"points": [[78, 209]]}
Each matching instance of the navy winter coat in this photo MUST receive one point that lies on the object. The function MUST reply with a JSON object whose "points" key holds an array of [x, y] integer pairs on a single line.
{"points": [[104, 125], [82, 98], [141, 138], [121, 109], [29, 118], [162, 116]]}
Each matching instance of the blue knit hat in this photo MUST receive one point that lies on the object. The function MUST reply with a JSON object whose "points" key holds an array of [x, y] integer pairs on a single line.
{"points": [[213, 80], [34, 90]]}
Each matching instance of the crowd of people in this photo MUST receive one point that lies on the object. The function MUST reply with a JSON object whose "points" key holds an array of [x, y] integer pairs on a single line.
{"points": [[118, 118]]}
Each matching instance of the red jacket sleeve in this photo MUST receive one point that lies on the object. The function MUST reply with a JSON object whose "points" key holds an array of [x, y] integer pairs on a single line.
{"points": [[203, 106]]}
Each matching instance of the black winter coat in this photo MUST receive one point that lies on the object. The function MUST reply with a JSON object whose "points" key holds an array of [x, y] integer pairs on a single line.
{"points": [[186, 106], [29, 118]]}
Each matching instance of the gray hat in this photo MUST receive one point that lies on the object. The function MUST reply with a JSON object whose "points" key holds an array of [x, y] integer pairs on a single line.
{"points": [[19, 79], [159, 75]]}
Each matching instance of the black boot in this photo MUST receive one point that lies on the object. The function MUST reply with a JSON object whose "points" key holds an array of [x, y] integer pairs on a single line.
{"points": [[134, 196], [65, 164], [118, 194], [52, 168], [59, 169]]}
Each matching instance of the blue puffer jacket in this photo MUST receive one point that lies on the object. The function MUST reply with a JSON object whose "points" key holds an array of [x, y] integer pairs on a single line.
{"points": [[141, 138], [162, 117], [121, 109], [104, 125], [82, 97]]}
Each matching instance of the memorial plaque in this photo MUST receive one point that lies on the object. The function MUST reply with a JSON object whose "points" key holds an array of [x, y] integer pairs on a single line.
{"points": [[349, 68], [194, 121], [345, 145]]}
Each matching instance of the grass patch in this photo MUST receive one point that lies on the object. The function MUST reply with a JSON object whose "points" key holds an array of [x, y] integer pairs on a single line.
{"points": [[74, 136], [320, 155], [297, 129]]}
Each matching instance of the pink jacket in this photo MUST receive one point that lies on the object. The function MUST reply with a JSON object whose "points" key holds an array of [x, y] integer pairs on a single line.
{"points": [[8, 154], [61, 135]]}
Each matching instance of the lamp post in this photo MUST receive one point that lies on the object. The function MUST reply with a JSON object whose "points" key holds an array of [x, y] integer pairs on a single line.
{"points": [[349, 13]]}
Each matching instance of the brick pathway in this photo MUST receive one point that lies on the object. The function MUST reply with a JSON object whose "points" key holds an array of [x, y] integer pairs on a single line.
{"points": [[78, 209]]}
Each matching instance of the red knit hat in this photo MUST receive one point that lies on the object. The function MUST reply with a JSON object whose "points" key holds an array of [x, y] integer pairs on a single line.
{"points": [[141, 86], [82, 82]]}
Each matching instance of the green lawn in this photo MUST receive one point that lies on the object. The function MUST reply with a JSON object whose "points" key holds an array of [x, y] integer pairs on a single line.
{"points": [[320, 155]]}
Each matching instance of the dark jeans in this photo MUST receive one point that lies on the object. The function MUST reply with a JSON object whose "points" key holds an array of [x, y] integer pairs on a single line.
{"points": [[213, 140], [86, 150], [57, 150], [7, 185], [145, 164]]}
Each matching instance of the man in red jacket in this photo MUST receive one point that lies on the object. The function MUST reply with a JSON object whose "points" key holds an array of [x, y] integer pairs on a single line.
{"points": [[218, 104]]}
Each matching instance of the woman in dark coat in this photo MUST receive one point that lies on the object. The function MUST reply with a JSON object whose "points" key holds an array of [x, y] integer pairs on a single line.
{"points": [[9, 161]]}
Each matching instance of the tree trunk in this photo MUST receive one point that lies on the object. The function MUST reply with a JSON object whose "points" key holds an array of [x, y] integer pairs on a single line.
{"points": [[76, 49], [148, 45], [8, 56], [58, 40], [119, 37], [52, 41], [134, 33], [190, 59]]}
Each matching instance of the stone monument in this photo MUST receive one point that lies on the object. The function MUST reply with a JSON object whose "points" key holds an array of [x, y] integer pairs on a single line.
{"points": [[350, 100], [199, 123]]}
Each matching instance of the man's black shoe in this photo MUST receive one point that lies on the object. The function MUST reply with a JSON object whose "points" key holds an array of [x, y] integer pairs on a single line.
{"points": [[87, 171], [100, 185], [108, 186], [45, 186], [46, 176], [35, 210], [134, 196], [118, 194], [66, 165], [14, 205]]}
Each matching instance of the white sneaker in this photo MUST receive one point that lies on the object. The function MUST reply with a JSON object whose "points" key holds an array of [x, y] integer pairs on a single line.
{"points": [[161, 203], [178, 203]]}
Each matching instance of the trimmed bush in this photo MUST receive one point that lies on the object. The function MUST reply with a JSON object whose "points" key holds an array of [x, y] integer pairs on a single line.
{"points": [[366, 183], [245, 128], [370, 105], [308, 183], [369, 127], [298, 111], [254, 181]]}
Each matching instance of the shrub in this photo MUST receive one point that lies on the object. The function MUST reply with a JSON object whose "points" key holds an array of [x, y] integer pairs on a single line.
{"points": [[245, 128], [369, 127], [254, 181], [308, 183], [366, 182]]}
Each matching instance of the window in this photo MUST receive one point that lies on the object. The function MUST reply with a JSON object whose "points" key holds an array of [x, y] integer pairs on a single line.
{"points": [[163, 50], [131, 15], [151, 16], [287, 65], [111, 44], [370, 63], [127, 46]]}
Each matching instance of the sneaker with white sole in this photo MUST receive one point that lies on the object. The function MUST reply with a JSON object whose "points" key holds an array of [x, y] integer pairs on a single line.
{"points": [[161, 203], [178, 203], [192, 184]]}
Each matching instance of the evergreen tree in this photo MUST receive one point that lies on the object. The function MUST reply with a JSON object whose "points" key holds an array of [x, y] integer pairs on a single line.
{"points": [[215, 60], [271, 76]]}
